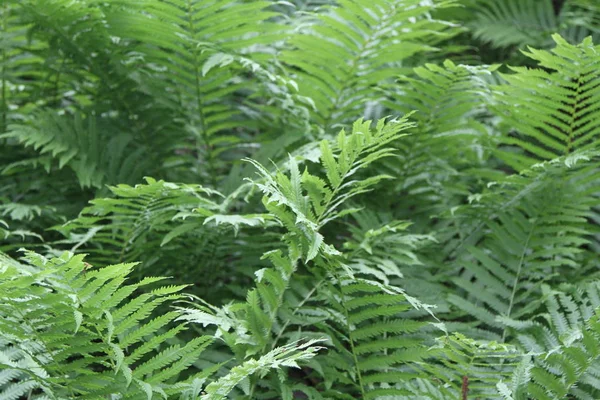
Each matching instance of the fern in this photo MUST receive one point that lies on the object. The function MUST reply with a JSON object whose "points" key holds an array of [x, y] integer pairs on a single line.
{"points": [[17, 65], [137, 212], [203, 45], [374, 40], [472, 368], [160, 222], [530, 22], [506, 26], [7, 234], [94, 159], [304, 203], [561, 118], [68, 331], [286, 356], [565, 346], [440, 160], [449, 253], [527, 240]]}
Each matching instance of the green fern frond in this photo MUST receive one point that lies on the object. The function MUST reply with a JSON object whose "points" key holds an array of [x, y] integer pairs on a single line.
{"points": [[373, 39], [552, 108], [518, 23], [195, 53], [126, 224], [17, 65], [473, 368], [535, 229], [62, 336], [305, 214], [437, 164], [507, 23], [378, 340], [77, 142], [565, 346], [371, 318], [285, 356]]}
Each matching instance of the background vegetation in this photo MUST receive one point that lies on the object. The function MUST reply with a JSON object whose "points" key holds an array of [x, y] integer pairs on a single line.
{"points": [[375, 199]]}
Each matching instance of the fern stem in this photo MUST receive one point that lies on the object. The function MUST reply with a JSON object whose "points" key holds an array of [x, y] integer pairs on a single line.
{"points": [[352, 71], [518, 277], [199, 103], [351, 341], [56, 85], [574, 111], [5, 12], [302, 302]]}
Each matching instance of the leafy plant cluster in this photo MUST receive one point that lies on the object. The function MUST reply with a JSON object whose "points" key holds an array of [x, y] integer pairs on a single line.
{"points": [[382, 199]]}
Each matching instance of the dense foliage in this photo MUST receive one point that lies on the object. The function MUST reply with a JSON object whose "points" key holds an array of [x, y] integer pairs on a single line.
{"points": [[332, 199]]}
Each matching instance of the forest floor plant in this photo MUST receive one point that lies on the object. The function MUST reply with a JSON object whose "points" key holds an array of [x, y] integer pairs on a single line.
{"points": [[329, 199]]}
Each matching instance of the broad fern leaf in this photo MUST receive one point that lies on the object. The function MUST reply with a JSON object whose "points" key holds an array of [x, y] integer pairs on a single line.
{"points": [[553, 109], [71, 331], [352, 45]]}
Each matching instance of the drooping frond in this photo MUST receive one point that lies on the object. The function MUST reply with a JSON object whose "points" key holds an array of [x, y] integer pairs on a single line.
{"points": [[12, 239], [182, 230]]}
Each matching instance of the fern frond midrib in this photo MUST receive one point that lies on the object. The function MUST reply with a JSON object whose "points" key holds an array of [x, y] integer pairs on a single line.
{"points": [[346, 81], [518, 276], [304, 300], [3, 101], [199, 102], [573, 114], [349, 330]]}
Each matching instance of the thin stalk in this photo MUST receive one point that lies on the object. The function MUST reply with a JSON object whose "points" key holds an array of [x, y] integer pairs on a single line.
{"points": [[5, 11], [351, 341], [517, 278], [200, 105]]}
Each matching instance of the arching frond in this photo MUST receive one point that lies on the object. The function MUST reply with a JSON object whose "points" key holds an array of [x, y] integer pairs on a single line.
{"points": [[202, 57], [552, 109], [181, 230], [352, 46], [71, 331], [117, 224], [79, 143]]}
